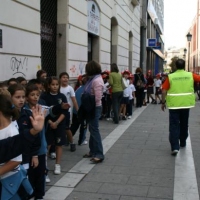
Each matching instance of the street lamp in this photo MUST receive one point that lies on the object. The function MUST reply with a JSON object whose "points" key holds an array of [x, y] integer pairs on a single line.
{"points": [[185, 51], [189, 38]]}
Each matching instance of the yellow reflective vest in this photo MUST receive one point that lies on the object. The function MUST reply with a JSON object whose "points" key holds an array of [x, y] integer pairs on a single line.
{"points": [[181, 92]]}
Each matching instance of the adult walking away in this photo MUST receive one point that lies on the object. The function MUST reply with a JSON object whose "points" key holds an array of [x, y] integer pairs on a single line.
{"points": [[95, 85], [139, 83], [115, 81], [178, 90]]}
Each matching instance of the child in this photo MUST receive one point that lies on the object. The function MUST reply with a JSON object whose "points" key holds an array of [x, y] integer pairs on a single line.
{"points": [[56, 125], [158, 84], [12, 81], [132, 90], [75, 121], [68, 91], [125, 99], [21, 80], [17, 92], [41, 74], [3, 86], [11, 170]]}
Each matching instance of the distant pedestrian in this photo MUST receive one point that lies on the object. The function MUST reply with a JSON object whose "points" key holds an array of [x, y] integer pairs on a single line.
{"points": [[178, 90], [150, 88], [139, 82], [158, 86], [115, 81]]}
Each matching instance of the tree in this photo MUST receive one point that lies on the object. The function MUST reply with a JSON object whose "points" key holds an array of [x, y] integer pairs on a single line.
{"points": [[173, 63]]}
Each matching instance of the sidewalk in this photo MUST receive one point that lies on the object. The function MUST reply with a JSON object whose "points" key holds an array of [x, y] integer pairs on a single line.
{"points": [[137, 165]]}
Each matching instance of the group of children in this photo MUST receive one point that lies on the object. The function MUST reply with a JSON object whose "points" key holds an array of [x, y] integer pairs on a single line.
{"points": [[54, 96], [126, 104]]}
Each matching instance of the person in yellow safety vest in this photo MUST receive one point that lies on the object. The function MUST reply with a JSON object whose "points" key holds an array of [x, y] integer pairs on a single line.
{"points": [[178, 94]]}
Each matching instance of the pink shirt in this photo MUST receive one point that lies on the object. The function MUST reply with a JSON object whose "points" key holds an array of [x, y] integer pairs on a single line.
{"points": [[97, 89]]}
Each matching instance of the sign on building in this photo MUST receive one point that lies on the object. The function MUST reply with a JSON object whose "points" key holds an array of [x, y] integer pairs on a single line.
{"points": [[152, 42], [93, 18]]}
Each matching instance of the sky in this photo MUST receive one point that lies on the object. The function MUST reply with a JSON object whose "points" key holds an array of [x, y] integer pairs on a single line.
{"points": [[178, 16]]}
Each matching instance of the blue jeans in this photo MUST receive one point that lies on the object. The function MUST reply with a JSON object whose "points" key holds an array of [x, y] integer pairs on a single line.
{"points": [[95, 142], [178, 127], [116, 98]]}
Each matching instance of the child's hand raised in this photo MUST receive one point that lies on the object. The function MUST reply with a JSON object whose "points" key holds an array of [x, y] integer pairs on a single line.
{"points": [[37, 118]]}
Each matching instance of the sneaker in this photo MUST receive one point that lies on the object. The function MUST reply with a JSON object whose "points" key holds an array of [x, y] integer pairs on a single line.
{"points": [[108, 119], [53, 155], [174, 152], [47, 179], [57, 169], [124, 118], [84, 142], [72, 147], [129, 117]]}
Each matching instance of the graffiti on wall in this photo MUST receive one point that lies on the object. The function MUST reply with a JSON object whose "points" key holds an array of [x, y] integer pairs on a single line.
{"points": [[77, 69], [18, 66]]}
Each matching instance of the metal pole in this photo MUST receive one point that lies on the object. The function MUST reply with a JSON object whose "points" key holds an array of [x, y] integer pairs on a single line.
{"points": [[188, 56]]}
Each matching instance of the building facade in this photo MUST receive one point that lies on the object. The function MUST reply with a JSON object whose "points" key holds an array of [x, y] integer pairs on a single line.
{"points": [[155, 32], [64, 35]]}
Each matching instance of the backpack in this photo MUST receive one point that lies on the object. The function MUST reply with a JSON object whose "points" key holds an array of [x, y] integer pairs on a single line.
{"points": [[88, 104], [139, 83]]}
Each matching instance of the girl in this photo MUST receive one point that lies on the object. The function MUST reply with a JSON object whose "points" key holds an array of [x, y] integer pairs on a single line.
{"points": [[56, 124], [125, 99], [129, 108], [11, 170], [68, 91], [158, 85], [17, 92]]}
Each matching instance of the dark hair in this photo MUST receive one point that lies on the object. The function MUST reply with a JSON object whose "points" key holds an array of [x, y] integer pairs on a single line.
{"points": [[114, 68], [12, 80], [20, 79], [3, 84], [63, 74], [36, 81], [93, 68], [138, 70], [40, 72], [30, 88], [49, 81], [13, 88], [7, 108], [180, 64]]}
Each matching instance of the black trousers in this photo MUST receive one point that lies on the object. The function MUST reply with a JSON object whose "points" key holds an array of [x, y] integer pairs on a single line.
{"points": [[37, 177]]}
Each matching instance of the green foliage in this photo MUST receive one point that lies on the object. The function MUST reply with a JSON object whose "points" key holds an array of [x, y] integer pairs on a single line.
{"points": [[172, 64]]}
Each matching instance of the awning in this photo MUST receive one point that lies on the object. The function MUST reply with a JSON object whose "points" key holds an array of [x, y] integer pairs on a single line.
{"points": [[159, 53]]}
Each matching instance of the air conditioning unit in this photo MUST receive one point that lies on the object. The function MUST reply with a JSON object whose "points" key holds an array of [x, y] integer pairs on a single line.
{"points": [[135, 2]]}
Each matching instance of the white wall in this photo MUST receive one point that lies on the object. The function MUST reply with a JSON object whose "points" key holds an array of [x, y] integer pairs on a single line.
{"points": [[128, 18], [20, 24]]}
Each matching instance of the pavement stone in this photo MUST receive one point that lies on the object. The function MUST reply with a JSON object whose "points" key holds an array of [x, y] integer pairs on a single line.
{"points": [[137, 167]]}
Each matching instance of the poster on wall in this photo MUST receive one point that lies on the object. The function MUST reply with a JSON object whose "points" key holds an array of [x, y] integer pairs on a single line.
{"points": [[93, 18]]}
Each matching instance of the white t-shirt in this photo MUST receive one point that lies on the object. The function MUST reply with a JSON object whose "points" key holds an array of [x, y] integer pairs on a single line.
{"points": [[131, 90], [68, 91], [10, 131], [126, 91], [157, 82]]}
